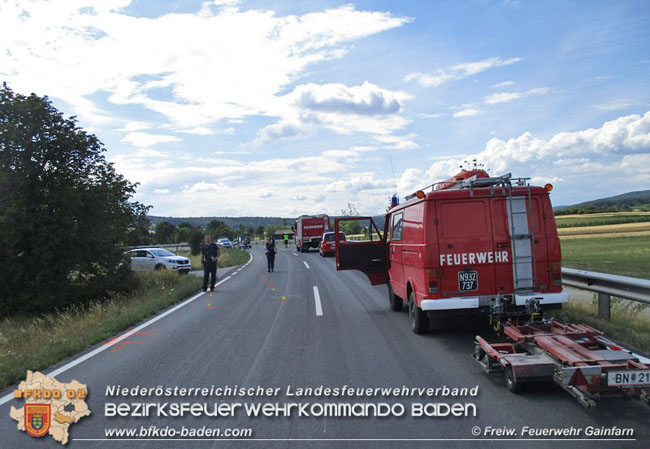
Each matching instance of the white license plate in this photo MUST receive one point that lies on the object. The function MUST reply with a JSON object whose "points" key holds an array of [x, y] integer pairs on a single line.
{"points": [[628, 378]]}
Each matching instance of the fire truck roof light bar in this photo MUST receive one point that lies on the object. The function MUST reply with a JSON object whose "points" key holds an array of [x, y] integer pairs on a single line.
{"points": [[474, 181]]}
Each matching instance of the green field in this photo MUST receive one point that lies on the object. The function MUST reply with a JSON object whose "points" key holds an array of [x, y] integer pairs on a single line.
{"points": [[627, 256], [570, 221]]}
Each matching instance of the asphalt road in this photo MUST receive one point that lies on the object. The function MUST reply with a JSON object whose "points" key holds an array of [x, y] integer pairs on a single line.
{"points": [[268, 329]]}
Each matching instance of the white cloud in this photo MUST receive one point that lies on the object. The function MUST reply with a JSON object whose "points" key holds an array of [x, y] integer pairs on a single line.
{"points": [[358, 182], [147, 152], [469, 112], [458, 71], [204, 187], [367, 99], [161, 191], [503, 97], [405, 145], [134, 126], [140, 139], [619, 149], [343, 109], [503, 84], [202, 60], [615, 105]]}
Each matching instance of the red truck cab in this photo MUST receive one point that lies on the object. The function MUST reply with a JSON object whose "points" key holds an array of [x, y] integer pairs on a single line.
{"points": [[475, 244]]}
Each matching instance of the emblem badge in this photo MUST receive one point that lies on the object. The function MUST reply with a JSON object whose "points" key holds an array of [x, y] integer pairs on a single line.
{"points": [[37, 419]]}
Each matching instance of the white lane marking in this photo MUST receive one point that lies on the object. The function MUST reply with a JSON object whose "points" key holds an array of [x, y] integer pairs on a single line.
{"points": [[319, 307], [295, 254], [306, 264], [114, 341]]}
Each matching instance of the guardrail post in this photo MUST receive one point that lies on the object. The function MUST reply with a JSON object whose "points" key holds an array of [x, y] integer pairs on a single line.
{"points": [[604, 308]]}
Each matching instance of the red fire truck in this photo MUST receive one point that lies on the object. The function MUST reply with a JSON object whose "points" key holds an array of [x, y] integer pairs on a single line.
{"points": [[308, 230], [474, 243]]}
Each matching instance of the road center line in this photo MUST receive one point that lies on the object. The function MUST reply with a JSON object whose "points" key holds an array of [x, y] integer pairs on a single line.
{"points": [[113, 342], [295, 254], [306, 264], [319, 307]]}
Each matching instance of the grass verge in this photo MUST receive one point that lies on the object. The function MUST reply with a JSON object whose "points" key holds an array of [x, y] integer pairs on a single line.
{"points": [[627, 326], [229, 257], [28, 343]]}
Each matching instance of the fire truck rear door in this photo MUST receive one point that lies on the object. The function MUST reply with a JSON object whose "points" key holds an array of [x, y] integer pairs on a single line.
{"points": [[368, 255], [466, 246]]}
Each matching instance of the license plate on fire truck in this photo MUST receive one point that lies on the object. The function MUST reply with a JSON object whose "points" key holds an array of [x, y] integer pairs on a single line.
{"points": [[467, 281], [628, 378]]}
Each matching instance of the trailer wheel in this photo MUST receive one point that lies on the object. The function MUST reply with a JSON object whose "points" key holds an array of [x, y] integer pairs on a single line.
{"points": [[479, 353], [512, 384], [419, 319], [394, 301]]}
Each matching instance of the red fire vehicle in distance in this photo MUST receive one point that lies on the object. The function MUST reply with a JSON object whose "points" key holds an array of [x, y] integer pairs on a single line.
{"points": [[308, 231], [474, 244]]}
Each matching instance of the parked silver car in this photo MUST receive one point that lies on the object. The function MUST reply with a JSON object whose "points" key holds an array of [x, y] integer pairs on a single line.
{"points": [[158, 259], [224, 243]]}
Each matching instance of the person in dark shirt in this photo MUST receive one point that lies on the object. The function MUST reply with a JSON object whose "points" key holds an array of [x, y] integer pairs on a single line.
{"points": [[210, 252], [270, 253]]}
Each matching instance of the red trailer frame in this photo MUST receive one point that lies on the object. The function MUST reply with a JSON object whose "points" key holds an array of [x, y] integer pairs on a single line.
{"points": [[575, 356]]}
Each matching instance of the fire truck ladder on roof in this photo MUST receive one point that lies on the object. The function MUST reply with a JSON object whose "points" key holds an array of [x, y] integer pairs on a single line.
{"points": [[520, 221]]}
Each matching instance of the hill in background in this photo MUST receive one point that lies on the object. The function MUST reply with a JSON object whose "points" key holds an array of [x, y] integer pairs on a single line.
{"points": [[639, 200]]}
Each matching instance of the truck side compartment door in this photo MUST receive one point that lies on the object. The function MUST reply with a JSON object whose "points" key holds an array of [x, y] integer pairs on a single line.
{"points": [[367, 254]]}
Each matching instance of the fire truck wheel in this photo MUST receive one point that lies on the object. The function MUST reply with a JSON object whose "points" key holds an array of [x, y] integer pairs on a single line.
{"points": [[394, 301], [419, 319], [511, 383]]}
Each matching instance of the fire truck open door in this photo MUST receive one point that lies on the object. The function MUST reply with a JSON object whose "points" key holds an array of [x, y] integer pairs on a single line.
{"points": [[367, 254]]}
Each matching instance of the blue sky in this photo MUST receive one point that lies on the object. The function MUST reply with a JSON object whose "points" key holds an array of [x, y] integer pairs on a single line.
{"points": [[284, 108]]}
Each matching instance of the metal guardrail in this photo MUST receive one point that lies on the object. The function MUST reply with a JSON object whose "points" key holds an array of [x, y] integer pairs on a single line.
{"points": [[607, 285]]}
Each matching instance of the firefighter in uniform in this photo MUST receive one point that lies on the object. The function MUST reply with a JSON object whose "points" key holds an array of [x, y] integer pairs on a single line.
{"points": [[270, 253], [210, 252]]}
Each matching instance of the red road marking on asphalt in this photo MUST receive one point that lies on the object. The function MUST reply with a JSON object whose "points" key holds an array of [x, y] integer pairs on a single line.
{"points": [[123, 343], [269, 283]]}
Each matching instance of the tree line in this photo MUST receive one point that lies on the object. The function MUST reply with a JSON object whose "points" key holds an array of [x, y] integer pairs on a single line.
{"points": [[166, 232]]}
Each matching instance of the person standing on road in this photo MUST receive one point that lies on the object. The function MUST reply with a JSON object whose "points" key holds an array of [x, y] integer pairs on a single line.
{"points": [[286, 240], [210, 252], [270, 253]]}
